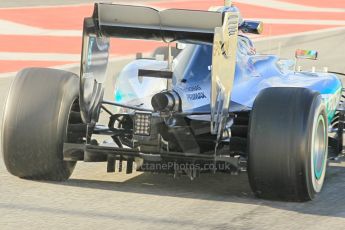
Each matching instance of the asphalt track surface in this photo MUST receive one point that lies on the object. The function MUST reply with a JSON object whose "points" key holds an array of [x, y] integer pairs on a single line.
{"points": [[93, 199]]}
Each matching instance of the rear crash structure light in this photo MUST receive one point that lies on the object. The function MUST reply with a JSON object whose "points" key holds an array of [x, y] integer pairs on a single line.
{"points": [[142, 124]]}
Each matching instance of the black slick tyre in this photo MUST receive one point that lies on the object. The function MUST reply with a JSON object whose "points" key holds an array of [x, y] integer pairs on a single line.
{"points": [[40, 106], [287, 144]]}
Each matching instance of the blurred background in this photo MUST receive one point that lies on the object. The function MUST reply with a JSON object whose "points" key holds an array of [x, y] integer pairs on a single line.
{"points": [[48, 33]]}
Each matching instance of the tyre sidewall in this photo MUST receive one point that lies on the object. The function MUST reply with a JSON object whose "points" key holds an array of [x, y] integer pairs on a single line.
{"points": [[35, 123], [280, 143], [318, 109]]}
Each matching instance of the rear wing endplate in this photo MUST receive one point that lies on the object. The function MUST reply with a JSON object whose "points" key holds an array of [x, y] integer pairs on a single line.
{"points": [[223, 71]]}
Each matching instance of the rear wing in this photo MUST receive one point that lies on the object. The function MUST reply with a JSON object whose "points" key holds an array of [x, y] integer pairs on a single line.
{"points": [[139, 22]]}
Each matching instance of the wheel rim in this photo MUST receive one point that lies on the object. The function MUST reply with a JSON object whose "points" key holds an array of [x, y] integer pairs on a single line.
{"points": [[319, 152]]}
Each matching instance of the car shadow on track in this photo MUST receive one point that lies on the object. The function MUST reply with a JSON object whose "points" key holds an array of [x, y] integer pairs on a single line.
{"points": [[225, 188]]}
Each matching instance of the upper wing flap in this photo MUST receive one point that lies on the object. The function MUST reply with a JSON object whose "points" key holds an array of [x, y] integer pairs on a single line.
{"points": [[143, 22]]}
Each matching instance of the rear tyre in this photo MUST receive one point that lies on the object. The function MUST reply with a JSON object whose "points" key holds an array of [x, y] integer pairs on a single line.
{"points": [[287, 144], [41, 105]]}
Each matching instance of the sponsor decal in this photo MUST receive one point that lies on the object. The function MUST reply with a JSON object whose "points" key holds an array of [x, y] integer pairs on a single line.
{"points": [[193, 88], [196, 96]]}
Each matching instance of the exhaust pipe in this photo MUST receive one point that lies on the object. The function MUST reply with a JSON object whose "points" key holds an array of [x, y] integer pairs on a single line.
{"points": [[168, 101]]}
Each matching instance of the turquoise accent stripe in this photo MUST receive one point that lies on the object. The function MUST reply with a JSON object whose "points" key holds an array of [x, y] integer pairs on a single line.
{"points": [[331, 103]]}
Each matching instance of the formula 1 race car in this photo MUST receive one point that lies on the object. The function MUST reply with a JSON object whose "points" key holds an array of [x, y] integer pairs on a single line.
{"points": [[217, 106]]}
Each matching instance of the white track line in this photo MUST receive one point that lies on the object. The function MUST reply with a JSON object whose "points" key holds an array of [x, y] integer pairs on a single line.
{"points": [[308, 33], [44, 6], [300, 34], [275, 4], [80, 5], [281, 5], [21, 56], [12, 28], [300, 21], [112, 59]]}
